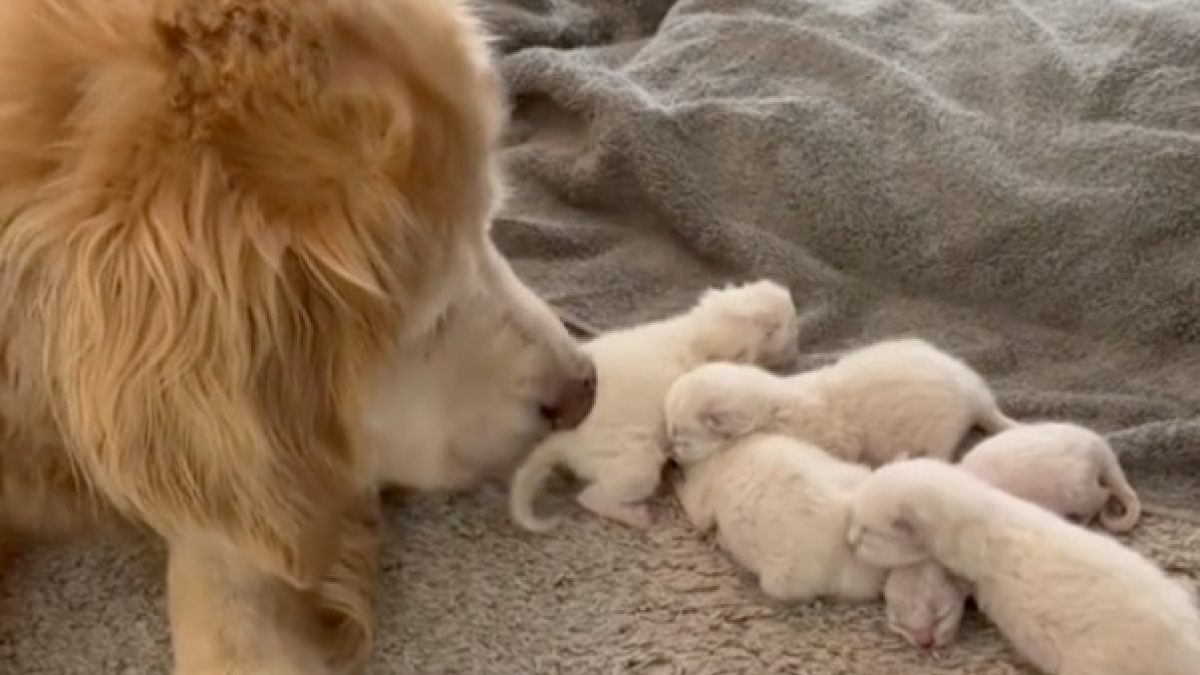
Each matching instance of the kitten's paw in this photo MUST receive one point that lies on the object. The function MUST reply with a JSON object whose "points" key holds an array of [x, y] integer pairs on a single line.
{"points": [[776, 586], [631, 515], [639, 517]]}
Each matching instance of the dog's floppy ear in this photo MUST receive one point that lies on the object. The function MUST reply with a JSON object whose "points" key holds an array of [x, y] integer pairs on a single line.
{"points": [[210, 400], [263, 468], [430, 58], [358, 31]]}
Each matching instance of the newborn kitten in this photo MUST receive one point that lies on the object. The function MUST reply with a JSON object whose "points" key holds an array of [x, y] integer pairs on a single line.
{"points": [[779, 506], [1070, 600], [1062, 467], [925, 604], [893, 398], [619, 448]]}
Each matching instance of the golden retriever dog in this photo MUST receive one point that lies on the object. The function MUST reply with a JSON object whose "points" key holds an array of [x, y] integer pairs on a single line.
{"points": [[248, 280]]}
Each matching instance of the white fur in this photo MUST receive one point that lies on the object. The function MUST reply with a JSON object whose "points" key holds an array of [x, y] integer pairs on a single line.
{"points": [[892, 398], [1063, 467], [619, 448], [925, 604], [1070, 600], [780, 507]]}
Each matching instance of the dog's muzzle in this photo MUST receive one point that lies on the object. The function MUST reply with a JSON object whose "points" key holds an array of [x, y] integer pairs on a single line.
{"points": [[574, 401]]}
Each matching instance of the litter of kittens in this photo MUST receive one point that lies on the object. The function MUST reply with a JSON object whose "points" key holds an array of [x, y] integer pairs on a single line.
{"points": [[783, 473]]}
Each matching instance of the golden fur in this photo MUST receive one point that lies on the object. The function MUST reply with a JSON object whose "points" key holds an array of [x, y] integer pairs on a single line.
{"points": [[221, 223]]}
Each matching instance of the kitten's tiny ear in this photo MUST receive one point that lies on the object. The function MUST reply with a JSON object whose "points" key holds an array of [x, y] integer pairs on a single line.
{"points": [[714, 420], [908, 521], [767, 321], [773, 411], [725, 422]]}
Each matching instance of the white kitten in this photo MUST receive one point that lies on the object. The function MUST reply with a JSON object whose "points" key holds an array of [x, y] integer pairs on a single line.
{"points": [[1070, 600], [780, 506], [925, 604], [619, 449], [898, 397], [1063, 467]]}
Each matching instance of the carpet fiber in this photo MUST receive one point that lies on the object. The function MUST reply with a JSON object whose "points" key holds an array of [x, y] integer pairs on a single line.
{"points": [[1015, 180]]}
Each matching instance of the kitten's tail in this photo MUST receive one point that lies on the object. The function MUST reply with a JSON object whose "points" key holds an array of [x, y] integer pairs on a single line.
{"points": [[527, 482], [1113, 478], [992, 420], [988, 415]]}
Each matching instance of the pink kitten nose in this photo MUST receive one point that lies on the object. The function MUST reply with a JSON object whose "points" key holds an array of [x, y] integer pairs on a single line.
{"points": [[924, 639]]}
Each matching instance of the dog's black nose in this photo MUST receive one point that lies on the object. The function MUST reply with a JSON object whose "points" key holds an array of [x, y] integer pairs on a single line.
{"points": [[574, 401]]}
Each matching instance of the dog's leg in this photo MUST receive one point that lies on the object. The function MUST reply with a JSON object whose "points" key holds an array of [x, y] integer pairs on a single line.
{"points": [[346, 599], [229, 619]]}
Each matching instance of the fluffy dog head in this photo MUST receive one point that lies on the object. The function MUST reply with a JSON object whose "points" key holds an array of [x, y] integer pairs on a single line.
{"points": [[231, 216], [712, 406]]}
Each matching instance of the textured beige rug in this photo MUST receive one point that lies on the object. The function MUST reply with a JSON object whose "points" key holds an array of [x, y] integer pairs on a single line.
{"points": [[1016, 181]]}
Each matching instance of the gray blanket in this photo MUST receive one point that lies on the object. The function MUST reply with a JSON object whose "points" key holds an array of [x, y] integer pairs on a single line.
{"points": [[1016, 180]]}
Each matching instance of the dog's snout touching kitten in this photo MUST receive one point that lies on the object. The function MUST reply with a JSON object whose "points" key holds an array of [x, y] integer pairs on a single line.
{"points": [[574, 399], [610, 434]]}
